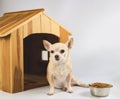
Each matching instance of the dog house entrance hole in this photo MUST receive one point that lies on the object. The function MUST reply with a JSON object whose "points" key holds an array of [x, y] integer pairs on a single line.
{"points": [[36, 59]]}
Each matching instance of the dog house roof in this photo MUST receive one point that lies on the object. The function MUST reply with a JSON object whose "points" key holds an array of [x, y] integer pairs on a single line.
{"points": [[13, 20]]}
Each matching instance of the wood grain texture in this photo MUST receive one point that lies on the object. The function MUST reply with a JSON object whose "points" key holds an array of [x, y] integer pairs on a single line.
{"points": [[45, 24], [15, 21], [1, 64], [25, 30], [36, 24], [5, 64], [63, 35], [24, 12], [17, 60], [55, 28], [11, 21], [38, 81], [29, 28]]}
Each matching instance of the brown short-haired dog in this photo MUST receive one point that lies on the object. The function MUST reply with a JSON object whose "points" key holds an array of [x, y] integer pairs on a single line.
{"points": [[59, 71]]}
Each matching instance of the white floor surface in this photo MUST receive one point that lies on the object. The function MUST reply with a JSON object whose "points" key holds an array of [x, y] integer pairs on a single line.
{"points": [[79, 93]]}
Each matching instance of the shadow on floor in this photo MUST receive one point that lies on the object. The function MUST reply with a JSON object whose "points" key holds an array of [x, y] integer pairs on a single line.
{"points": [[87, 94]]}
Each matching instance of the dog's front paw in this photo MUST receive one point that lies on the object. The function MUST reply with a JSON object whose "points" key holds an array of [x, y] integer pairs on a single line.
{"points": [[70, 90], [64, 89], [50, 93]]}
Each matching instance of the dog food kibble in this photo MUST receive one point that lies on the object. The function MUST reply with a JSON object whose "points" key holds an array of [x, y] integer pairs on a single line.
{"points": [[100, 85]]}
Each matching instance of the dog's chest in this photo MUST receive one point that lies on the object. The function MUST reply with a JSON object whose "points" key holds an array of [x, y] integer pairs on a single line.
{"points": [[60, 75]]}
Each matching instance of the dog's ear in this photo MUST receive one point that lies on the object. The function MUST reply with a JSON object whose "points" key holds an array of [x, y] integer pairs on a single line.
{"points": [[46, 45], [70, 43]]}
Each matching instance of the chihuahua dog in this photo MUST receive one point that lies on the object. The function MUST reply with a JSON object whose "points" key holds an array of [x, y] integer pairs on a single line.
{"points": [[59, 70]]}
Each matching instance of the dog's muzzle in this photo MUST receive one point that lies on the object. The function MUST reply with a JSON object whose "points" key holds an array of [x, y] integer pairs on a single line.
{"points": [[57, 57]]}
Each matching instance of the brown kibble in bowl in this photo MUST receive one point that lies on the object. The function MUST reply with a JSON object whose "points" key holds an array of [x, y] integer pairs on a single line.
{"points": [[100, 85]]}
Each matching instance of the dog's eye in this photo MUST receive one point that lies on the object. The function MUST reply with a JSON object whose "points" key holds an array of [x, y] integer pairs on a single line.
{"points": [[62, 51], [52, 51]]}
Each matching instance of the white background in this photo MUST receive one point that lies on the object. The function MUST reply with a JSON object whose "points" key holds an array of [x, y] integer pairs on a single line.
{"points": [[95, 25]]}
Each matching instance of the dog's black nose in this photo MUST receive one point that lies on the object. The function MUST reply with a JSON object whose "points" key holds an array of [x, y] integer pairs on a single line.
{"points": [[57, 57]]}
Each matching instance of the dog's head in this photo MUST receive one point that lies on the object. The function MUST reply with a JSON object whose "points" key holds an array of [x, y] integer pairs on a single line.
{"points": [[59, 52]]}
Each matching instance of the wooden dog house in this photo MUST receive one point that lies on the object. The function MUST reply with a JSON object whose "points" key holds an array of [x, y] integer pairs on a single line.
{"points": [[21, 62]]}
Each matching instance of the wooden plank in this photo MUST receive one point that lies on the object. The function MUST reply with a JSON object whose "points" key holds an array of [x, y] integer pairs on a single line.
{"points": [[45, 24], [1, 64], [17, 23], [13, 57], [4, 19], [17, 60], [29, 28], [6, 83], [55, 28], [35, 81], [63, 35], [25, 30], [25, 11], [20, 54], [12, 22], [33, 26], [36, 24]]}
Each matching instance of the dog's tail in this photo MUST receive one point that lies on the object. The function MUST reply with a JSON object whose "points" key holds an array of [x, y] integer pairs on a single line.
{"points": [[75, 82]]}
